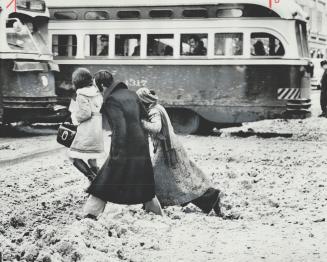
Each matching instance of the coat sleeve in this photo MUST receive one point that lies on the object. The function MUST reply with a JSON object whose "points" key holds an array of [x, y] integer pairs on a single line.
{"points": [[83, 112], [154, 124], [117, 122], [324, 81]]}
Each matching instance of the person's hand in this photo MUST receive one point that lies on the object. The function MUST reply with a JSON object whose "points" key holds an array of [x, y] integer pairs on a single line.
{"points": [[143, 122]]}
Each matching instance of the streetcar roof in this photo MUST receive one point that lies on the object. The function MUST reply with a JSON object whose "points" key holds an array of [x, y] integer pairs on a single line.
{"points": [[286, 9]]}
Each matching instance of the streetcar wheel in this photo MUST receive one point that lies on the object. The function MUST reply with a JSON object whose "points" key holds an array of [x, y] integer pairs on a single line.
{"points": [[184, 121], [205, 127]]}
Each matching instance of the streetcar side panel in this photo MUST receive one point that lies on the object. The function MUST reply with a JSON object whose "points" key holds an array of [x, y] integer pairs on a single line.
{"points": [[219, 93]]}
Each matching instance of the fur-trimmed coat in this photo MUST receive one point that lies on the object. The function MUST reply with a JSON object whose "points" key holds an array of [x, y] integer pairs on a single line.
{"points": [[88, 142]]}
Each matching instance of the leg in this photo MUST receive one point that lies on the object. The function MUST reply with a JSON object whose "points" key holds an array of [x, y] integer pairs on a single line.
{"points": [[323, 103], [84, 168], [93, 207], [153, 206], [208, 201], [93, 165]]}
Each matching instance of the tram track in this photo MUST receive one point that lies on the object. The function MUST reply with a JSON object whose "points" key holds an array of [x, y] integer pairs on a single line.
{"points": [[7, 162]]}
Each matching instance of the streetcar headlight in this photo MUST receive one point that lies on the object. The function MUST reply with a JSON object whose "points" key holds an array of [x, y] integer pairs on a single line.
{"points": [[24, 4], [45, 81], [38, 5]]}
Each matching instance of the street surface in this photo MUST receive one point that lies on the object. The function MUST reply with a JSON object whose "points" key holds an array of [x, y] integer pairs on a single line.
{"points": [[275, 195]]}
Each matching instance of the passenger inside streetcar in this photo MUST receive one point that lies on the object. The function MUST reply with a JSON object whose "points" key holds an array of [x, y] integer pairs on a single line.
{"points": [[137, 49], [196, 46], [265, 44], [104, 45], [168, 51], [277, 49], [259, 48]]}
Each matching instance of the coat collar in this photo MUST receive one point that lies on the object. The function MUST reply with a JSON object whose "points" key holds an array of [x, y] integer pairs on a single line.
{"points": [[113, 88], [88, 91]]}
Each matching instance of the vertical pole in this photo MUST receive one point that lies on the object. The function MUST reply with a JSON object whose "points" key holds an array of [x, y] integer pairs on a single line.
{"points": [[12, 2]]}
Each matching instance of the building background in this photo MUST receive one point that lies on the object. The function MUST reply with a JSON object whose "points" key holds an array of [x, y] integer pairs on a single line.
{"points": [[317, 26]]}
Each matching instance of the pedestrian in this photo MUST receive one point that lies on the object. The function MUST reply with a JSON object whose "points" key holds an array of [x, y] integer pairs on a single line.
{"points": [[87, 146], [127, 175], [178, 181], [323, 92]]}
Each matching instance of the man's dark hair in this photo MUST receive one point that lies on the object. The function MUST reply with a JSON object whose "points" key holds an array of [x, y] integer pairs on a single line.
{"points": [[323, 62], [195, 37], [104, 37], [103, 78], [81, 78]]}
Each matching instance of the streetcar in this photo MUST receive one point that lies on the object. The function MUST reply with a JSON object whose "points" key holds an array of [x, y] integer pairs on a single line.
{"points": [[211, 62], [27, 85]]}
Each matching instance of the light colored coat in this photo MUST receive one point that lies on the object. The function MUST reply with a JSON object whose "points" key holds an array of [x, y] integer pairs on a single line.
{"points": [[174, 186], [88, 142]]}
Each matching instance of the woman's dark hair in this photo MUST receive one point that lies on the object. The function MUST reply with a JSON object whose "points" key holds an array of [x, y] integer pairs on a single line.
{"points": [[103, 78], [81, 78]]}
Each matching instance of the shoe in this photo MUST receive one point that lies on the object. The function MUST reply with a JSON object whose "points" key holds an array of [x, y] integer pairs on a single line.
{"points": [[153, 206], [90, 216], [217, 205], [207, 201]]}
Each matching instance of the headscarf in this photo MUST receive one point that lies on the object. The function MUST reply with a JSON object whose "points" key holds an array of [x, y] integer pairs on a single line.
{"points": [[146, 96]]}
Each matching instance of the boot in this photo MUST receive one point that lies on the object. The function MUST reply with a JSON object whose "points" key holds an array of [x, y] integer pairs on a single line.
{"points": [[93, 165], [208, 201], [153, 206], [84, 168]]}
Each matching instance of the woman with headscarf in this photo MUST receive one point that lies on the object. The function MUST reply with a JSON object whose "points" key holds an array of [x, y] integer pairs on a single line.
{"points": [[178, 181]]}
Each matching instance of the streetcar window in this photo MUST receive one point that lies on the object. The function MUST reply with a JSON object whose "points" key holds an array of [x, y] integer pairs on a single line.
{"points": [[194, 44], [161, 13], [65, 15], [96, 15], [19, 36], [228, 44], [160, 45], [127, 45], [229, 12], [301, 35], [96, 45], [64, 45], [195, 12], [128, 14], [264, 44]]}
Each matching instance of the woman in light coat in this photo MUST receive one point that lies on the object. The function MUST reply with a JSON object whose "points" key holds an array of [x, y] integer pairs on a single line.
{"points": [[88, 142], [178, 181]]}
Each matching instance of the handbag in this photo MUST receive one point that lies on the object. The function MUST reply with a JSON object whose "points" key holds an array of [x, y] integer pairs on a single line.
{"points": [[66, 134]]}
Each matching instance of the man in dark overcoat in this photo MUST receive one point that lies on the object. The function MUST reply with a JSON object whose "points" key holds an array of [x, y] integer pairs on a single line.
{"points": [[323, 94], [127, 175]]}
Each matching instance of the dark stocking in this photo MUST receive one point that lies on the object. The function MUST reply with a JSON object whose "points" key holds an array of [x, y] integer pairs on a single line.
{"points": [[93, 165], [84, 168]]}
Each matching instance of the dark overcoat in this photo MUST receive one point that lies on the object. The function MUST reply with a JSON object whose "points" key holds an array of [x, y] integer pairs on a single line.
{"points": [[323, 93], [127, 175]]}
